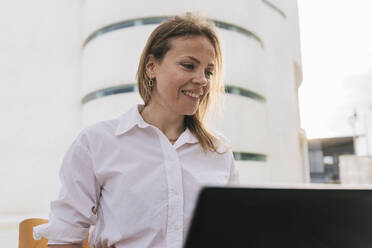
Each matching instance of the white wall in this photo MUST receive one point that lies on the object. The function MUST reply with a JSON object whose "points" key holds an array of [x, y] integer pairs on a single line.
{"points": [[355, 170], [363, 132], [40, 47], [282, 49]]}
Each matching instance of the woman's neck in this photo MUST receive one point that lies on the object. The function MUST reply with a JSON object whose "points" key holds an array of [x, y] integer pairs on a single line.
{"points": [[171, 124]]}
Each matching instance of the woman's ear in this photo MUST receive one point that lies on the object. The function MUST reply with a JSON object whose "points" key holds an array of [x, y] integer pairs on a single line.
{"points": [[151, 66]]}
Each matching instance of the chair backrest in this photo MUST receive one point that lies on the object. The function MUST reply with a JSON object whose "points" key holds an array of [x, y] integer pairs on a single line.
{"points": [[26, 239]]}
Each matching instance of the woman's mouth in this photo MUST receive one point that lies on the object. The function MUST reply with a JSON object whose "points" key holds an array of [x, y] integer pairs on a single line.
{"points": [[197, 94]]}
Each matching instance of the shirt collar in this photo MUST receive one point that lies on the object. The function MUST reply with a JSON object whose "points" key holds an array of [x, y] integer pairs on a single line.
{"points": [[132, 118], [189, 137]]}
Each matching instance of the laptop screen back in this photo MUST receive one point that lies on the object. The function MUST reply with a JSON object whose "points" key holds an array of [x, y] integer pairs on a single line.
{"points": [[267, 218]]}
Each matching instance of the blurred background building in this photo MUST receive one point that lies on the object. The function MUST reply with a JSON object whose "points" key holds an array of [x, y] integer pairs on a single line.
{"points": [[68, 64], [324, 158], [345, 160]]}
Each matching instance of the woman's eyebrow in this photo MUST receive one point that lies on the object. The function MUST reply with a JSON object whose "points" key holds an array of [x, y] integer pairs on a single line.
{"points": [[197, 61]]}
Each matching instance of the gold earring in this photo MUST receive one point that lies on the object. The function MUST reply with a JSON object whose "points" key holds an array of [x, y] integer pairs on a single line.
{"points": [[151, 82]]}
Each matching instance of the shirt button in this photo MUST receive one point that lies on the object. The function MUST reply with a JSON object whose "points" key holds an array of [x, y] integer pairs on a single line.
{"points": [[176, 227], [94, 210]]}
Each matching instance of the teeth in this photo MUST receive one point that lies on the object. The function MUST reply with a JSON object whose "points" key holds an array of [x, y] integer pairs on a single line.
{"points": [[193, 94]]}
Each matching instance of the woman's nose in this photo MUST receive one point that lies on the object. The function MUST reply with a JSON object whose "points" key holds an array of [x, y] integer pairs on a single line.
{"points": [[201, 79]]}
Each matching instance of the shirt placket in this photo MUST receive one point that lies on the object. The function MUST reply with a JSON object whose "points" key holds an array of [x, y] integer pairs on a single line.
{"points": [[175, 194]]}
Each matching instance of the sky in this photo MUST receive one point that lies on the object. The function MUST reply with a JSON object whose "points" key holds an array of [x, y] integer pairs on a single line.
{"points": [[336, 48]]}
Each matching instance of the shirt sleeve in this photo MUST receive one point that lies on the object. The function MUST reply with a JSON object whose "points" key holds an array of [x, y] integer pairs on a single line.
{"points": [[225, 147], [234, 173], [75, 210]]}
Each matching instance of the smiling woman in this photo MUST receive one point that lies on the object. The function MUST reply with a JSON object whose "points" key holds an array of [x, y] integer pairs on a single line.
{"points": [[182, 62], [182, 76], [133, 181]]}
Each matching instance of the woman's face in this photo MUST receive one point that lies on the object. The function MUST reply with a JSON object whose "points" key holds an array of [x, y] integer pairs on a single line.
{"points": [[183, 75]]}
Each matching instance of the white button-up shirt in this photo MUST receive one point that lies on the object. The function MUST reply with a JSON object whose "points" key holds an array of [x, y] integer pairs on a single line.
{"points": [[123, 178]]}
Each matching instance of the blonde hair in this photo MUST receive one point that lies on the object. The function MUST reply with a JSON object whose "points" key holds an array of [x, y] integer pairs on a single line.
{"points": [[159, 44]]}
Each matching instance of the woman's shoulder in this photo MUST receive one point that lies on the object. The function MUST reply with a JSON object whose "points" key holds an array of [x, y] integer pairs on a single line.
{"points": [[220, 137], [105, 126], [98, 132], [107, 130], [115, 126], [222, 143]]}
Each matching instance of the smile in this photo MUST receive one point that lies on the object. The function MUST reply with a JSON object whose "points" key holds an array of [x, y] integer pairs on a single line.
{"points": [[192, 93]]}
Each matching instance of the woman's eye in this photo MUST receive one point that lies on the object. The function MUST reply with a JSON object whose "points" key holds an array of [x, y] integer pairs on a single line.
{"points": [[188, 66], [209, 73]]}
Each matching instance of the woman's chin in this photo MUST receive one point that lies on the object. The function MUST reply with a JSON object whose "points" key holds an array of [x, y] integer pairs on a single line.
{"points": [[190, 111], [187, 113], [186, 109]]}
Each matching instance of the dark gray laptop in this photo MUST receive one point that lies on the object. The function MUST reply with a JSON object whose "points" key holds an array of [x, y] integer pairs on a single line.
{"points": [[273, 217]]}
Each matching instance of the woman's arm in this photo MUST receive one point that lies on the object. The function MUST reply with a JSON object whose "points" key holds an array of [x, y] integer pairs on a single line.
{"points": [[234, 173], [74, 211]]}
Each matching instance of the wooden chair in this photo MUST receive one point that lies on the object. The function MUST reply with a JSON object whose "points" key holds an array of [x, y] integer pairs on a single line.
{"points": [[26, 239]]}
